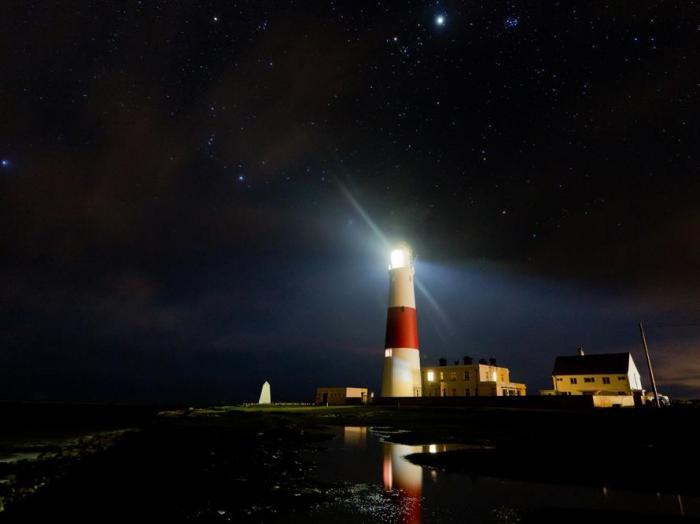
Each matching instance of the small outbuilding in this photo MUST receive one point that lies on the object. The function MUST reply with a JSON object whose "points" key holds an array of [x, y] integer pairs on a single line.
{"points": [[341, 396]]}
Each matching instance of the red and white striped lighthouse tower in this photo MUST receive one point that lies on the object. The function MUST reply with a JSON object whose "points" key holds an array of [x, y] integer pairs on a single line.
{"points": [[401, 376]]}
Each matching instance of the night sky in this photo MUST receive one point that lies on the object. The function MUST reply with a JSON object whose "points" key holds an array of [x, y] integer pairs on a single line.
{"points": [[199, 196]]}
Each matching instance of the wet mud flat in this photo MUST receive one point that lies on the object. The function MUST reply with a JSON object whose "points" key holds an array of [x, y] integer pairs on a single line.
{"points": [[203, 465], [233, 464]]}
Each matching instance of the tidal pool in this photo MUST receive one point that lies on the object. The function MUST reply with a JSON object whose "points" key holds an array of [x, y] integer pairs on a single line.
{"points": [[368, 479]]}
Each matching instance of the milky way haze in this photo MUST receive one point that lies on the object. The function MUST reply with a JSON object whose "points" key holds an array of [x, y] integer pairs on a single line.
{"points": [[177, 183]]}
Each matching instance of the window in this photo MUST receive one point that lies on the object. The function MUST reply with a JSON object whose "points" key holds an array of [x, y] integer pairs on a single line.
{"points": [[622, 377], [387, 353], [454, 392], [466, 375], [453, 375], [430, 376], [442, 375], [559, 379], [573, 381], [467, 392], [606, 380], [589, 379]]}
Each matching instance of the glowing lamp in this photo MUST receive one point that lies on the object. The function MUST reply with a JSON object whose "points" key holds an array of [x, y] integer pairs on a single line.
{"points": [[400, 257]]}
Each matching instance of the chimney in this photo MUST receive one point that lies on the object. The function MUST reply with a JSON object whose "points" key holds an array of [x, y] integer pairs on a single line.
{"points": [[482, 361], [468, 361], [456, 362], [580, 351], [492, 361], [443, 361]]}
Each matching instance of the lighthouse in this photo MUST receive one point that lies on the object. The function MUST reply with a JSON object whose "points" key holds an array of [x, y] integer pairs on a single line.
{"points": [[401, 376]]}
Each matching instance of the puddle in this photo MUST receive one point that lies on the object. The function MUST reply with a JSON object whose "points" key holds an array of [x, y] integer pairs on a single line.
{"points": [[369, 480]]}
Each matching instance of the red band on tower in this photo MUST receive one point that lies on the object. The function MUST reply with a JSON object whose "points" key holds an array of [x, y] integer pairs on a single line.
{"points": [[401, 328]]}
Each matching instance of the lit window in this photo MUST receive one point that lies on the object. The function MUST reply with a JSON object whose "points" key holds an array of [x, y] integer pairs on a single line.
{"points": [[606, 380], [453, 375], [387, 353], [431, 376]]}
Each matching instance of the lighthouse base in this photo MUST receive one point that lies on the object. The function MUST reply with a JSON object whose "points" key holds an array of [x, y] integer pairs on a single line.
{"points": [[401, 376]]}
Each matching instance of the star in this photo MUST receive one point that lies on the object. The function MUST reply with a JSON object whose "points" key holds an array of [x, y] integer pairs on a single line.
{"points": [[216, 19], [5, 162], [440, 20], [511, 22]]}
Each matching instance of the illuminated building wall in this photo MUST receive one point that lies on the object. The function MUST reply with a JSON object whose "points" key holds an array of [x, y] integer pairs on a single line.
{"points": [[469, 380], [341, 396]]}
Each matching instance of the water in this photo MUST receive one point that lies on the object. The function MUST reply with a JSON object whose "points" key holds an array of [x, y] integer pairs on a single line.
{"points": [[371, 481]]}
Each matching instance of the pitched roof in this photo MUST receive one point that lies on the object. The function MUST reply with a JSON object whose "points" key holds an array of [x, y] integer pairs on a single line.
{"points": [[612, 363]]}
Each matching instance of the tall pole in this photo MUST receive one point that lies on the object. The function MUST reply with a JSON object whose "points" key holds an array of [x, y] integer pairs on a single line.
{"points": [[651, 371]]}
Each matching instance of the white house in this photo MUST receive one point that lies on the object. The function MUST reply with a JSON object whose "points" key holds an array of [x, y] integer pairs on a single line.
{"points": [[601, 375]]}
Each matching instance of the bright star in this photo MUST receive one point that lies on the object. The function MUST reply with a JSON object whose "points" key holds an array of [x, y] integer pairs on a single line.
{"points": [[511, 22], [440, 20], [5, 163], [216, 19], [241, 178]]}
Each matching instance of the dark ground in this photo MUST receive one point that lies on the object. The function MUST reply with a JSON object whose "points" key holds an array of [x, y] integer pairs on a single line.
{"points": [[231, 464]]}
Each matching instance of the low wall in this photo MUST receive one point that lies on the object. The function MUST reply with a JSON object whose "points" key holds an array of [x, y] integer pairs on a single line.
{"points": [[613, 401], [526, 402]]}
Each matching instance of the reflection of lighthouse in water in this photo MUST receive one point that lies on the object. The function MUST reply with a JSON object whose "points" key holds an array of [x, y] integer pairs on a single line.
{"points": [[405, 478]]}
